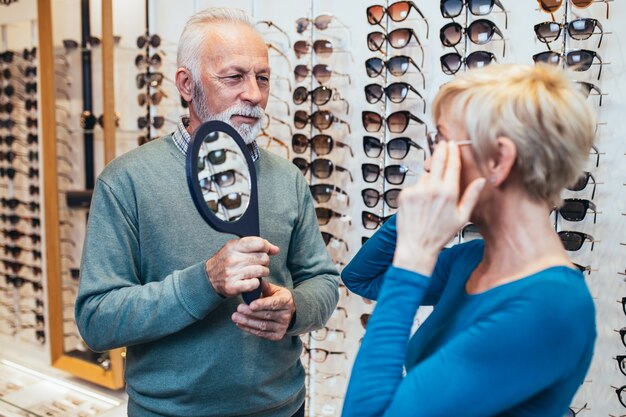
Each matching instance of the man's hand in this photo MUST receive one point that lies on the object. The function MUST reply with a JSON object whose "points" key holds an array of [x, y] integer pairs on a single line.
{"points": [[234, 269], [267, 317]]}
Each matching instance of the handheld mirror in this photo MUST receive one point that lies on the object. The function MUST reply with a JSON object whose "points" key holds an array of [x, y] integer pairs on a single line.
{"points": [[222, 182]]}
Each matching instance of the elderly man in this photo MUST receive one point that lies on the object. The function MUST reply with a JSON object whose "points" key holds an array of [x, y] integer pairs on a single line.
{"points": [[157, 279]]}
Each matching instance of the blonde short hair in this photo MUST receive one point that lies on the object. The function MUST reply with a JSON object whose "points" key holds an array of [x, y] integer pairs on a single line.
{"points": [[189, 54], [538, 108]]}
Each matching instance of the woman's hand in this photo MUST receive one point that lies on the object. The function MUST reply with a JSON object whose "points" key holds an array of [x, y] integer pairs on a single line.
{"points": [[431, 212]]}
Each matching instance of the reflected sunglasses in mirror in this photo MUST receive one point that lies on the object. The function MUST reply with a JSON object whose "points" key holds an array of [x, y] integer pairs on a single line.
{"points": [[396, 92], [586, 87], [394, 174], [573, 241], [551, 6], [451, 63], [321, 144], [334, 241], [582, 182], [397, 38], [579, 29], [324, 215], [480, 32], [321, 47], [229, 201], [397, 122], [373, 221], [575, 209], [453, 8], [577, 60], [320, 168], [322, 193], [320, 96], [222, 179], [321, 72], [397, 66], [321, 22], [216, 157], [398, 12], [371, 197], [321, 119], [397, 148]]}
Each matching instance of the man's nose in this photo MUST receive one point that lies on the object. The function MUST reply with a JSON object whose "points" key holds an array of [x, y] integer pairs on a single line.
{"points": [[251, 92]]}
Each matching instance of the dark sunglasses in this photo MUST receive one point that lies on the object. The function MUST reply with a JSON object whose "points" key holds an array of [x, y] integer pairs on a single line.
{"points": [[398, 39], [397, 148], [13, 203], [222, 179], [575, 209], [397, 122], [451, 63], [586, 87], [320, 168], [321, 144], [582, 182], [371, 197], [321, 72], [144, 61], [324, 216], [157, 122], [396, 92], [372, 221], [153, 40], [155, 79], [480, 32], [150, 99], [322, 193], [7, 107], [336, 241], [15, 234], [15, 219], [394, 174], [320, 96], [453, 8], [579, 29], [321, 119], [398, 12], [7, 56], [573, 241], [216, 157], [397, 66], [230, 201], [321, 22], [578, 60], [551, 6], [321, 47]]}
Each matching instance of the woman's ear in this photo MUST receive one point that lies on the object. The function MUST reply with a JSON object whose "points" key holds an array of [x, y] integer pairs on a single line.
{"points": [[500, 164], [184, 83]]}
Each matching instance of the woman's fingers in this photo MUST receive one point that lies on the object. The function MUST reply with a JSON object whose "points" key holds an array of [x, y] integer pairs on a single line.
{"points": [[438, 161], [469, 199]]}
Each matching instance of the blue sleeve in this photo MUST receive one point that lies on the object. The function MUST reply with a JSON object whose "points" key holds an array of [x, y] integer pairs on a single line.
{"points": [[365, 274], [514, 353]]}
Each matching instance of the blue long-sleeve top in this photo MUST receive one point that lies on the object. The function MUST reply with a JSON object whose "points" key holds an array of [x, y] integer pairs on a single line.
{"points": [[519, 349]]}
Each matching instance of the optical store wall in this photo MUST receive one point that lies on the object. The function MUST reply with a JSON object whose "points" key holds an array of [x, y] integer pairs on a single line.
{"points": [[346, 162]]}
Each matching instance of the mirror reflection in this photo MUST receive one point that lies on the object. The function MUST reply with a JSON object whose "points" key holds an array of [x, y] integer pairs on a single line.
{"points": [[223, 176]]}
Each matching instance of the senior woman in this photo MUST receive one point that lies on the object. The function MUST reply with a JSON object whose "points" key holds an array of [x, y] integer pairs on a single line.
{"points": [[512, 331]]}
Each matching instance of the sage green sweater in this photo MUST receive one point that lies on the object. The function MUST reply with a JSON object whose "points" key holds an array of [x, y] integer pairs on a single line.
{"points": [[143, 285]]}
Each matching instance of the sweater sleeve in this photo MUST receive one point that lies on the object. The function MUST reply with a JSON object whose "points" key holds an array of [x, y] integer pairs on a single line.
{"points": [[314, 276], [114, 308], [517, 340]]}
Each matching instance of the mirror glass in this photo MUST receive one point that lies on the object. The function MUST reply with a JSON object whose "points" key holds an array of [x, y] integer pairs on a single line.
{"points": [[224, 176]]}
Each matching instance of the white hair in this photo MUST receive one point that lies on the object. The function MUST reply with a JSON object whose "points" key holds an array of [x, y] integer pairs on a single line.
{"points": [[195, 30]]}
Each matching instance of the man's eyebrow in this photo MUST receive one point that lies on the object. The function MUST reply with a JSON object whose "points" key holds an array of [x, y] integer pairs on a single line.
{"points": [[242, 70]]}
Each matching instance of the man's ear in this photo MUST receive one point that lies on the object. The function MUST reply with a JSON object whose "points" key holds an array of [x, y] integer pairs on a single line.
{"points": [[500, 164], [184, 83]]}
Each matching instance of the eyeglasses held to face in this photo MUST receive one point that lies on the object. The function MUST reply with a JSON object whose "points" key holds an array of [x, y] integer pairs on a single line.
{"points": [[579, 29], [453, 8], [434, 138], [397, 66], [480, 32], [398, 12]]}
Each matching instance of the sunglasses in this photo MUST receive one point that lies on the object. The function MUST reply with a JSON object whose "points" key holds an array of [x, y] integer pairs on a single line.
{"points": [[579, 29], [151, 99], [397, 122], [397, 148], [394, 174], [575, 209], [373, 221], [155, 79], [157, 122], [322, 193], [551, 6], [320, 96], [451, 63], [321, 22], [396, 66], [222, 179], [325, 215], [13, 203], [321, 144], [321, 72], [398, 39], [7, 107], [396, 92], [216, 157], [586, 87], [321, 47], [582, 182], [321, 119], [15, 219], [398, 12], [578, 60], [480, 32], [14, 234], [320, 168], [7, 56], [371, 197], [153, 40], [229, 201], [453, 8], [336, 241], [573, 241], [143, 61]]}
